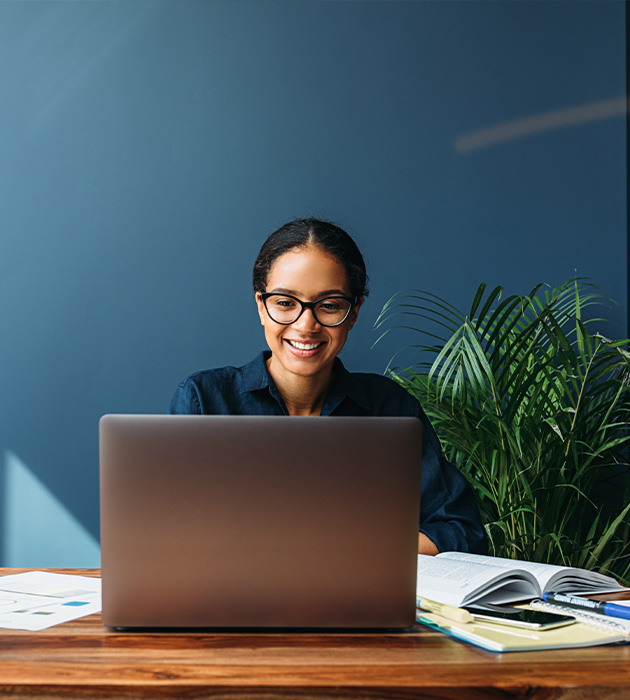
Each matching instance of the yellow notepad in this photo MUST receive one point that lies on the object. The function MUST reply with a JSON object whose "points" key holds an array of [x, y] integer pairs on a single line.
{"points": [[505, 638]]}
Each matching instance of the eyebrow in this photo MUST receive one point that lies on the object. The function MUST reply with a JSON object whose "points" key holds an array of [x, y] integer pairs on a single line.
{"points": [[321, 295]]}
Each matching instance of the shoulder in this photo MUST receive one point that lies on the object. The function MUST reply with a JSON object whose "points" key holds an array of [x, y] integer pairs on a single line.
{"points": [[377, 382], [383, 395], [211, 377], [253, 375], [205, 391], [218, 390]]}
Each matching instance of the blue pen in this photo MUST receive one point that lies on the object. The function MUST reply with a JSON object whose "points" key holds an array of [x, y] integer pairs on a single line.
{"points": [[596, 606]]}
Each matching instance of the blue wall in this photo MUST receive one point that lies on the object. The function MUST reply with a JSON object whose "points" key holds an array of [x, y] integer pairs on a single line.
{"points": [[149, 146]]}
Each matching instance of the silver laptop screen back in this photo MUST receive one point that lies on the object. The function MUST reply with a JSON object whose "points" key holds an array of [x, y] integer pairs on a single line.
{"points": [[259, 521]]}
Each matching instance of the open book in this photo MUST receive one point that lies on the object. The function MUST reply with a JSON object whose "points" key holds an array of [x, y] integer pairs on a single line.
{"points": [[460, 579]]}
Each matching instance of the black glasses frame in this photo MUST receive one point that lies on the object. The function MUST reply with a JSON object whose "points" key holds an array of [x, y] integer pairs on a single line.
{"points": [[307, 305]]}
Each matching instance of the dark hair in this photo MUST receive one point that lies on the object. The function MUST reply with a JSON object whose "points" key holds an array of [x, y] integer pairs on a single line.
{"points": [[327, 236]]}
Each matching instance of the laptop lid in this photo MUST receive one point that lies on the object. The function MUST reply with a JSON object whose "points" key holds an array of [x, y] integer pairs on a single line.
{"points": [[259, 521]]}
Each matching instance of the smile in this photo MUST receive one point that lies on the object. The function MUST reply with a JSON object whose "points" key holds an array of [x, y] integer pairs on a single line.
{"points": [[304, 346]]}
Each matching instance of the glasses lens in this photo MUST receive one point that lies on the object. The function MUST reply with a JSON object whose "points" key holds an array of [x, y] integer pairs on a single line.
{"points": [[282, 309], [332, 311]]}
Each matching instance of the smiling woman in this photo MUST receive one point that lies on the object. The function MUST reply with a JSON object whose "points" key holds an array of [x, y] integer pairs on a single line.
{"points": [[309, 284], [304, 347]]}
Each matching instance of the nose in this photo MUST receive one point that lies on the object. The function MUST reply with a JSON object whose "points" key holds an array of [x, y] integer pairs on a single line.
{"points": [[307, 321]]}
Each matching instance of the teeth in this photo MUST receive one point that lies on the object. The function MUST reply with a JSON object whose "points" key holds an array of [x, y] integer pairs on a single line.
{"points": [[304, 346]]}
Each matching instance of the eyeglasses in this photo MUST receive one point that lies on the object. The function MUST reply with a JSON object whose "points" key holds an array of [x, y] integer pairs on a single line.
{"points": [[286, 309]]}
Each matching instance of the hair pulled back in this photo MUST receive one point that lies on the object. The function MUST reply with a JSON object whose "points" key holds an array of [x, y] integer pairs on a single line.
{"points": [[327, 236]]}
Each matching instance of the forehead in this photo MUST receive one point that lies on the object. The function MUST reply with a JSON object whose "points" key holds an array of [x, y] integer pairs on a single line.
{"points": [[309, 270]]}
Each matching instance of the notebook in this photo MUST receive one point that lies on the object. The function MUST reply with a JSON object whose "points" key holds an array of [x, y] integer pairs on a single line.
{"points": [[502, 638], [259, 521]]}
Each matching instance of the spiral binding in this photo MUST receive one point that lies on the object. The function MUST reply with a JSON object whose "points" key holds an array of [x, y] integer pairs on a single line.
{"points": [[600, 622]]}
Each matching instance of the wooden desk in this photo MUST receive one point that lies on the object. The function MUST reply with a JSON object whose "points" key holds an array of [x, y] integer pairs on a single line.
{"points": [[82, 659]]}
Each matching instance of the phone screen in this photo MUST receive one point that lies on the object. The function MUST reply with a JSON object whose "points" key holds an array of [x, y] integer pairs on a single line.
{"points": [[532, 619]]}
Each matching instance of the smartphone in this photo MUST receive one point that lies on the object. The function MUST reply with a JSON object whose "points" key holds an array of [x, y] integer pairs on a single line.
{"points": [[529, 619]]}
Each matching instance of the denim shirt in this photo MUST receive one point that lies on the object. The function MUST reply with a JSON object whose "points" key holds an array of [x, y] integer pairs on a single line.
{"points": [[448, 511]]}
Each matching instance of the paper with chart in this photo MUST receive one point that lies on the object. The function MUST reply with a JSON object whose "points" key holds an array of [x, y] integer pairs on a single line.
{"points": [[36, 600]]}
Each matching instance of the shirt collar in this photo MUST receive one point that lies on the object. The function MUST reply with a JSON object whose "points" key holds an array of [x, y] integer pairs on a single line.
{"points": [[344, 385], [255, 377]]}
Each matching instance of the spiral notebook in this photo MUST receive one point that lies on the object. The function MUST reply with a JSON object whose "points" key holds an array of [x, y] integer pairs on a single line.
{"points": [[594, 619], [588, 630]]}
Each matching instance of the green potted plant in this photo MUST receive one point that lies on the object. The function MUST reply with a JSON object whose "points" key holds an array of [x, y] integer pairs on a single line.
{"points": [[534, 408]]}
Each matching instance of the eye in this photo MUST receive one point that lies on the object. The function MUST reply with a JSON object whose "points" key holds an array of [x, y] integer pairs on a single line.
{"points": [[330, 306], [282, 302], [334, 307]]}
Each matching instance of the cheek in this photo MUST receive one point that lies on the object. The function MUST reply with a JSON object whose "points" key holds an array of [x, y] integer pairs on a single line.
{"points": [[341, 336], [270, 329]]}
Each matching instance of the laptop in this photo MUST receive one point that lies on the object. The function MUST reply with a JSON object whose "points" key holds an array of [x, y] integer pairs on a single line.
{"points": [[259, 521]]}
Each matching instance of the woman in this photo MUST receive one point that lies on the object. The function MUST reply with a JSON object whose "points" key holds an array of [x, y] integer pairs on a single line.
{"points": [[309, 283]]}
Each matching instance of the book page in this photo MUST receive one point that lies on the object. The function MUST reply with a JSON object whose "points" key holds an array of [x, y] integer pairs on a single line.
{"points": [[461, 582], [542, 572], [575, 580]]}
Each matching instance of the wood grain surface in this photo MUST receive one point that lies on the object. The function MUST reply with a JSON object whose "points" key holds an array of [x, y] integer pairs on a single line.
{"points": [[83, 659]]}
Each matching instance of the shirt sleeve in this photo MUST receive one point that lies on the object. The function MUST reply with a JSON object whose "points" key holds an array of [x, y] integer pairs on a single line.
{"points": [[449, 515]]}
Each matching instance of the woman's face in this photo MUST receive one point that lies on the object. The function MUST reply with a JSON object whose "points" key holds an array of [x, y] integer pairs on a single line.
{"points": [[306, 348]]}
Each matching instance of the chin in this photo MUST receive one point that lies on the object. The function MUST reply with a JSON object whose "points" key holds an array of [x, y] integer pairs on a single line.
{"points": [[304, 367]]}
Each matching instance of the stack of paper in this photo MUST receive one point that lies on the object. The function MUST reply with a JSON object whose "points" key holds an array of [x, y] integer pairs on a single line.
{"points": [[39, 599]]}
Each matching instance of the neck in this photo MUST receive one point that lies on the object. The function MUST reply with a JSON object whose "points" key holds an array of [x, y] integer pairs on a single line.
{"points": [[303, 396]]}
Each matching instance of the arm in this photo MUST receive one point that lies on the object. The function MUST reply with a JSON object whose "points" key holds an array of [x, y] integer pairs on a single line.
{"points": [[425, 545], [449, 516]]}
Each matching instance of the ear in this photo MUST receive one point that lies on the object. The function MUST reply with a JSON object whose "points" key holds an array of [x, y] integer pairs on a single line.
{"points": [[355, 312], [261, 308]]}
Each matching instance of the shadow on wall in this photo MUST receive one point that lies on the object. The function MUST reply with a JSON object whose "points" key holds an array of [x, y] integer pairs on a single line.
{"points": [[37, 530]]}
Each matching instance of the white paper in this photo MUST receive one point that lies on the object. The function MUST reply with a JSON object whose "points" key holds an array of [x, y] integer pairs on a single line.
{"points": [[36, 600]]}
